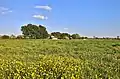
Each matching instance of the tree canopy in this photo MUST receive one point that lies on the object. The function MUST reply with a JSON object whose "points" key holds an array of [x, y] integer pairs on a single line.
{"points": [[64, 35], [75, 36], [60, 35], [56, 34], [34, 31], [5, 37]]}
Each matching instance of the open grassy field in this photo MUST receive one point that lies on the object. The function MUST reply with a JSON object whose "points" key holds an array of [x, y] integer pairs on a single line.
{"points": [[59, 59]]}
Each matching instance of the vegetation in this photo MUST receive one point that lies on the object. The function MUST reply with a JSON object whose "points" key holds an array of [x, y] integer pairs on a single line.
{"points": [[75, 36], [59, 59], [60, 35], [34, 31], [5, 37], [39, 32], [56, 34], [31, 31]]}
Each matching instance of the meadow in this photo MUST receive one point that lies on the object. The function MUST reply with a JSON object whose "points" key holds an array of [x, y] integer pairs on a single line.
{"points": [[59, 59]]}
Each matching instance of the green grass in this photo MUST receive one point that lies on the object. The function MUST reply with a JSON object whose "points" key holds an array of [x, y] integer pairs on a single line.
{"points": [[59, 59]]}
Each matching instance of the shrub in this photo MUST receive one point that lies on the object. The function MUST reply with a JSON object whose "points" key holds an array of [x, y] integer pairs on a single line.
{"points": [[20, 37], [5, 37]]}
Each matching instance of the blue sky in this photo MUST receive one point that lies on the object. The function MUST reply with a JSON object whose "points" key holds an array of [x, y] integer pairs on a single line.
{"points": [[86, 17]]}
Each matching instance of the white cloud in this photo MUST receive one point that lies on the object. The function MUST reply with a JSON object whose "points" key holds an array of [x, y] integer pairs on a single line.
{"points": [[65, 28], [40, 17], [44, 7], [4, 10]]}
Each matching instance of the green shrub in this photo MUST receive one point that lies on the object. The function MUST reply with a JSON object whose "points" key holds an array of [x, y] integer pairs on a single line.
{"points": [[5, 37]]}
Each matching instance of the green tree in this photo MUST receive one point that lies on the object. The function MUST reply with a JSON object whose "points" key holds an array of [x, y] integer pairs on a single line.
{"points": [[20, 37], [75, 36], [12, 36], [56, 34], [65, 35], [60, 35], [83, 37], [34, 31], [5, 37]]}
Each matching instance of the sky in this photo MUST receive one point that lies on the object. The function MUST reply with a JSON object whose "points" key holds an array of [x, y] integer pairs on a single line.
{"points": [[86, 17]]}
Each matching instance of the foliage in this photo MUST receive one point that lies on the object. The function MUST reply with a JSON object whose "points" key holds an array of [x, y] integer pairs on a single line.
{"points": [[20, 37], [64, 35], [117, 44], [34, 31], [75, 36], [83, 37], [59, 59], [60, 35], [5, 37], [56, 34]]}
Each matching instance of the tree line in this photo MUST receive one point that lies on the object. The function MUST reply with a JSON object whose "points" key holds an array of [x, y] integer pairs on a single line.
{"points": [[31, 31]]}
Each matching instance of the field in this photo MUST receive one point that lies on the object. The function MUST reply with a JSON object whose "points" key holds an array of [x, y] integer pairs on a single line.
{"points": [[59, 59]]}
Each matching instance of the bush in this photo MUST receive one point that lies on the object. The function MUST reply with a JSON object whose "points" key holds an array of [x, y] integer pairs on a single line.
{"points": [[83, 37], [75, 36], [20, 37], [5, 37]]}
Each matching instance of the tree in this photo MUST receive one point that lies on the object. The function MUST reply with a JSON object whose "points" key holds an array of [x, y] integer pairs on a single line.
{"points": [[56, 34], [60, 35], [75, 36], [20, 37], [5, 37], [83, 37], [34, 31], [12, 36], [118, 37], [65, 35]]}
